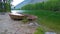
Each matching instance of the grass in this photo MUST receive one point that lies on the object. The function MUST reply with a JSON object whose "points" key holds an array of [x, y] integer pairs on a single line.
{"points": [[49, 19], [39, 31]]}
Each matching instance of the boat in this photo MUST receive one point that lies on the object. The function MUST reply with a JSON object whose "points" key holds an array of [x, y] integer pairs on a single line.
{"points": [[16, 16]]}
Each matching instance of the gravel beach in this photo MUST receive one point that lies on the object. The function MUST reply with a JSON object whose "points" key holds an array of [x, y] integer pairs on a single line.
{"points": [[9, 26]]}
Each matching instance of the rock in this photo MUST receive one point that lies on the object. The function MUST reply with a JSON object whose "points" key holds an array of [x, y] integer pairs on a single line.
{"points": [[33, 25], [37, 24], [50, 33]]}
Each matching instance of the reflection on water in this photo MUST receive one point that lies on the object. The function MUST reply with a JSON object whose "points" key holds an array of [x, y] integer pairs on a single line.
{"points": [[17, 11]]}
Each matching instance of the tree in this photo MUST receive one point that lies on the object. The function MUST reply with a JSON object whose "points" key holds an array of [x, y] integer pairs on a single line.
{"points": [[5, 5]]}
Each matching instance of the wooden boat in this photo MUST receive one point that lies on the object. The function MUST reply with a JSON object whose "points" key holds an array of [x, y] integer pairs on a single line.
{"points": [[31, 17], [16, 16]]}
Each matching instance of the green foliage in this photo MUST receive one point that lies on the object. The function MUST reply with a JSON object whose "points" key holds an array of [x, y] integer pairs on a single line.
{"points": [[8, 8], [39, 31], [47, 18], [0, 6], [4, 7], [25, 20], [53, 5], [29, 6]]}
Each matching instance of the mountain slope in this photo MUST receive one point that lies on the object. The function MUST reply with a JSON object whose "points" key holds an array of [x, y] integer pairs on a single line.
{"points": [[27, 2]]}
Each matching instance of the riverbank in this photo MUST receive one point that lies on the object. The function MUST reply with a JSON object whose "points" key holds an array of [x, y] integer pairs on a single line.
{"points": [[49, 19], [8, 26]]}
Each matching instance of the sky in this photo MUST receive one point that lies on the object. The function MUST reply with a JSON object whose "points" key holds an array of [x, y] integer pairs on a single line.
{"points": [[15, 2]]}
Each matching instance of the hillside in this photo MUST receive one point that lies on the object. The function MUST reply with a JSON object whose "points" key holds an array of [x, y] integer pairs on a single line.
{"points": [[27, 2]]}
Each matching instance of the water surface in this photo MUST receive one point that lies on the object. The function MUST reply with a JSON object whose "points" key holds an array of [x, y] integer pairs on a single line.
{"points": [[14, 11]]}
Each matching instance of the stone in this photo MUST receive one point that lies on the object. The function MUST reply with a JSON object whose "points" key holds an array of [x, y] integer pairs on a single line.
{"points": [[50, 33], [33, 25]]}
